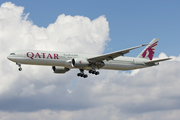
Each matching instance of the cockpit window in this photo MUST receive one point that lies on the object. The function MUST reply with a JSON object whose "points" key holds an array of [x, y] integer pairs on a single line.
{"points": [[12, 54]]}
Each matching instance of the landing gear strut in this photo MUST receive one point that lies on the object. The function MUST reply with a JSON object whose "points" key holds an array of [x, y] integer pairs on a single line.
{"points": [[81, 74], [19, 64]]}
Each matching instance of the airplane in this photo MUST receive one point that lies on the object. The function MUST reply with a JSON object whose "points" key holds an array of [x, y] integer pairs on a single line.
{"points": [[63, 62]]}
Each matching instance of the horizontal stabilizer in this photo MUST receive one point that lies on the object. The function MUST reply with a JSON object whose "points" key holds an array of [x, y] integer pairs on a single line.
{"points": [[155, 61]]}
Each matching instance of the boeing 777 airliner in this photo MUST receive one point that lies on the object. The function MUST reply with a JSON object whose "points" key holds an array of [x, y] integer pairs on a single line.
{"points": [[63, 62]]}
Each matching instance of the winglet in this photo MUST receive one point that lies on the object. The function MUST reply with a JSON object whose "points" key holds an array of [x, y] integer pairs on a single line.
{"points": [[145, 44]]}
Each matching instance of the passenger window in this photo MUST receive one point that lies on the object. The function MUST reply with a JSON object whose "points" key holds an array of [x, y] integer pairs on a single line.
{"points": [[12, 54]]}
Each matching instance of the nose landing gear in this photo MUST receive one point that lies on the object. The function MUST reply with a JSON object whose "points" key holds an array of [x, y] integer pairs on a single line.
{"points": [[20, 69], [19, 64]]}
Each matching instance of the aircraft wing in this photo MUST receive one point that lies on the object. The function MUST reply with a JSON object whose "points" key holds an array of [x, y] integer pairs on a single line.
{"points": [[111, 56], [155, 61]]}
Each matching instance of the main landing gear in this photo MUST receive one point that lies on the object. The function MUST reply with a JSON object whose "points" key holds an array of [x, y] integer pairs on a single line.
{"points": [[19, 64], [94, 72], [81, 74]]}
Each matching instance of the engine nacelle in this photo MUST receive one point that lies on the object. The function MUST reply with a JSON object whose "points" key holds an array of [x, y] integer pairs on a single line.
{"points": [[59, 69], [79, 62]]}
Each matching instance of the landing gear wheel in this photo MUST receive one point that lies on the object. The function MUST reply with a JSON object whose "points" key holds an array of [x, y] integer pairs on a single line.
{"points": [[19, 64], [82, 75], [90, 71], [20, 69], [93, 71], [85, 76], [97, 73], [79, 74]]}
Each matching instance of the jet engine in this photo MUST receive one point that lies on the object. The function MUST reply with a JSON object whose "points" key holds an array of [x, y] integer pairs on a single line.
{"points": [[59, 69], [79, 62]]}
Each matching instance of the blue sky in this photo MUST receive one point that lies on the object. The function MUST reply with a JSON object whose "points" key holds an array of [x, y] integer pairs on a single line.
{"points": [[131, 22]]}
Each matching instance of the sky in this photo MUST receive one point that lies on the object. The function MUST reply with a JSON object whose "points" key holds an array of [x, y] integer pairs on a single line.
{"points": [[92, 27]]}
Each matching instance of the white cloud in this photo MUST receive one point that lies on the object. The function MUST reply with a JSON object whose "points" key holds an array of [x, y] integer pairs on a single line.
{"points": [[68, 33], [105, 113], [38, 93], [48, 89], [28, 91], [69, 91]]}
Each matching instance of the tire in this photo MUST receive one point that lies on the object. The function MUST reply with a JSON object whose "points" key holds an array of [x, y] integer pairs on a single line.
{"points": [[79, 74], [20, 69], [90, 71], [97, 73], [85, 76], [82, 75]]}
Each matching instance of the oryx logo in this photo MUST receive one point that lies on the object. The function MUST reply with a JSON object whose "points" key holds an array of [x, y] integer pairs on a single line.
{"points": [[149, 52]]}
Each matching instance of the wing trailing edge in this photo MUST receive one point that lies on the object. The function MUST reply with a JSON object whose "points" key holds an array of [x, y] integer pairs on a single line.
{"points": [[111, 56]]}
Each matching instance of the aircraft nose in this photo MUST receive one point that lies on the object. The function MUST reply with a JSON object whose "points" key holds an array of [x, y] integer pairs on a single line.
{"points": [[8, 57]]}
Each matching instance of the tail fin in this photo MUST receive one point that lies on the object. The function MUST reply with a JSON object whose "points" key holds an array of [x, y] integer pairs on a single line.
{"points": [[148, 52]]}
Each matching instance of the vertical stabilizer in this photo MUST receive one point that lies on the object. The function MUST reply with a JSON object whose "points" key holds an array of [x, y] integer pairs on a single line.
{"points": [[148, 52]]}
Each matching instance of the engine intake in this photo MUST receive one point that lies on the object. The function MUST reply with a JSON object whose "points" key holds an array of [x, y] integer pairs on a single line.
{"points": [[79, 62], [59, 69]]}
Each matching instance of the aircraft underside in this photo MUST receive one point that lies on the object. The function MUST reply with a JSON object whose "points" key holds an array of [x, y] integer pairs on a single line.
{"points": [[63, 66]]}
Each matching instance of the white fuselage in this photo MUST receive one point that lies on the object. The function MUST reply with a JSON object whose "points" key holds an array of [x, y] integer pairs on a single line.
{"points": [[53, 58]]}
